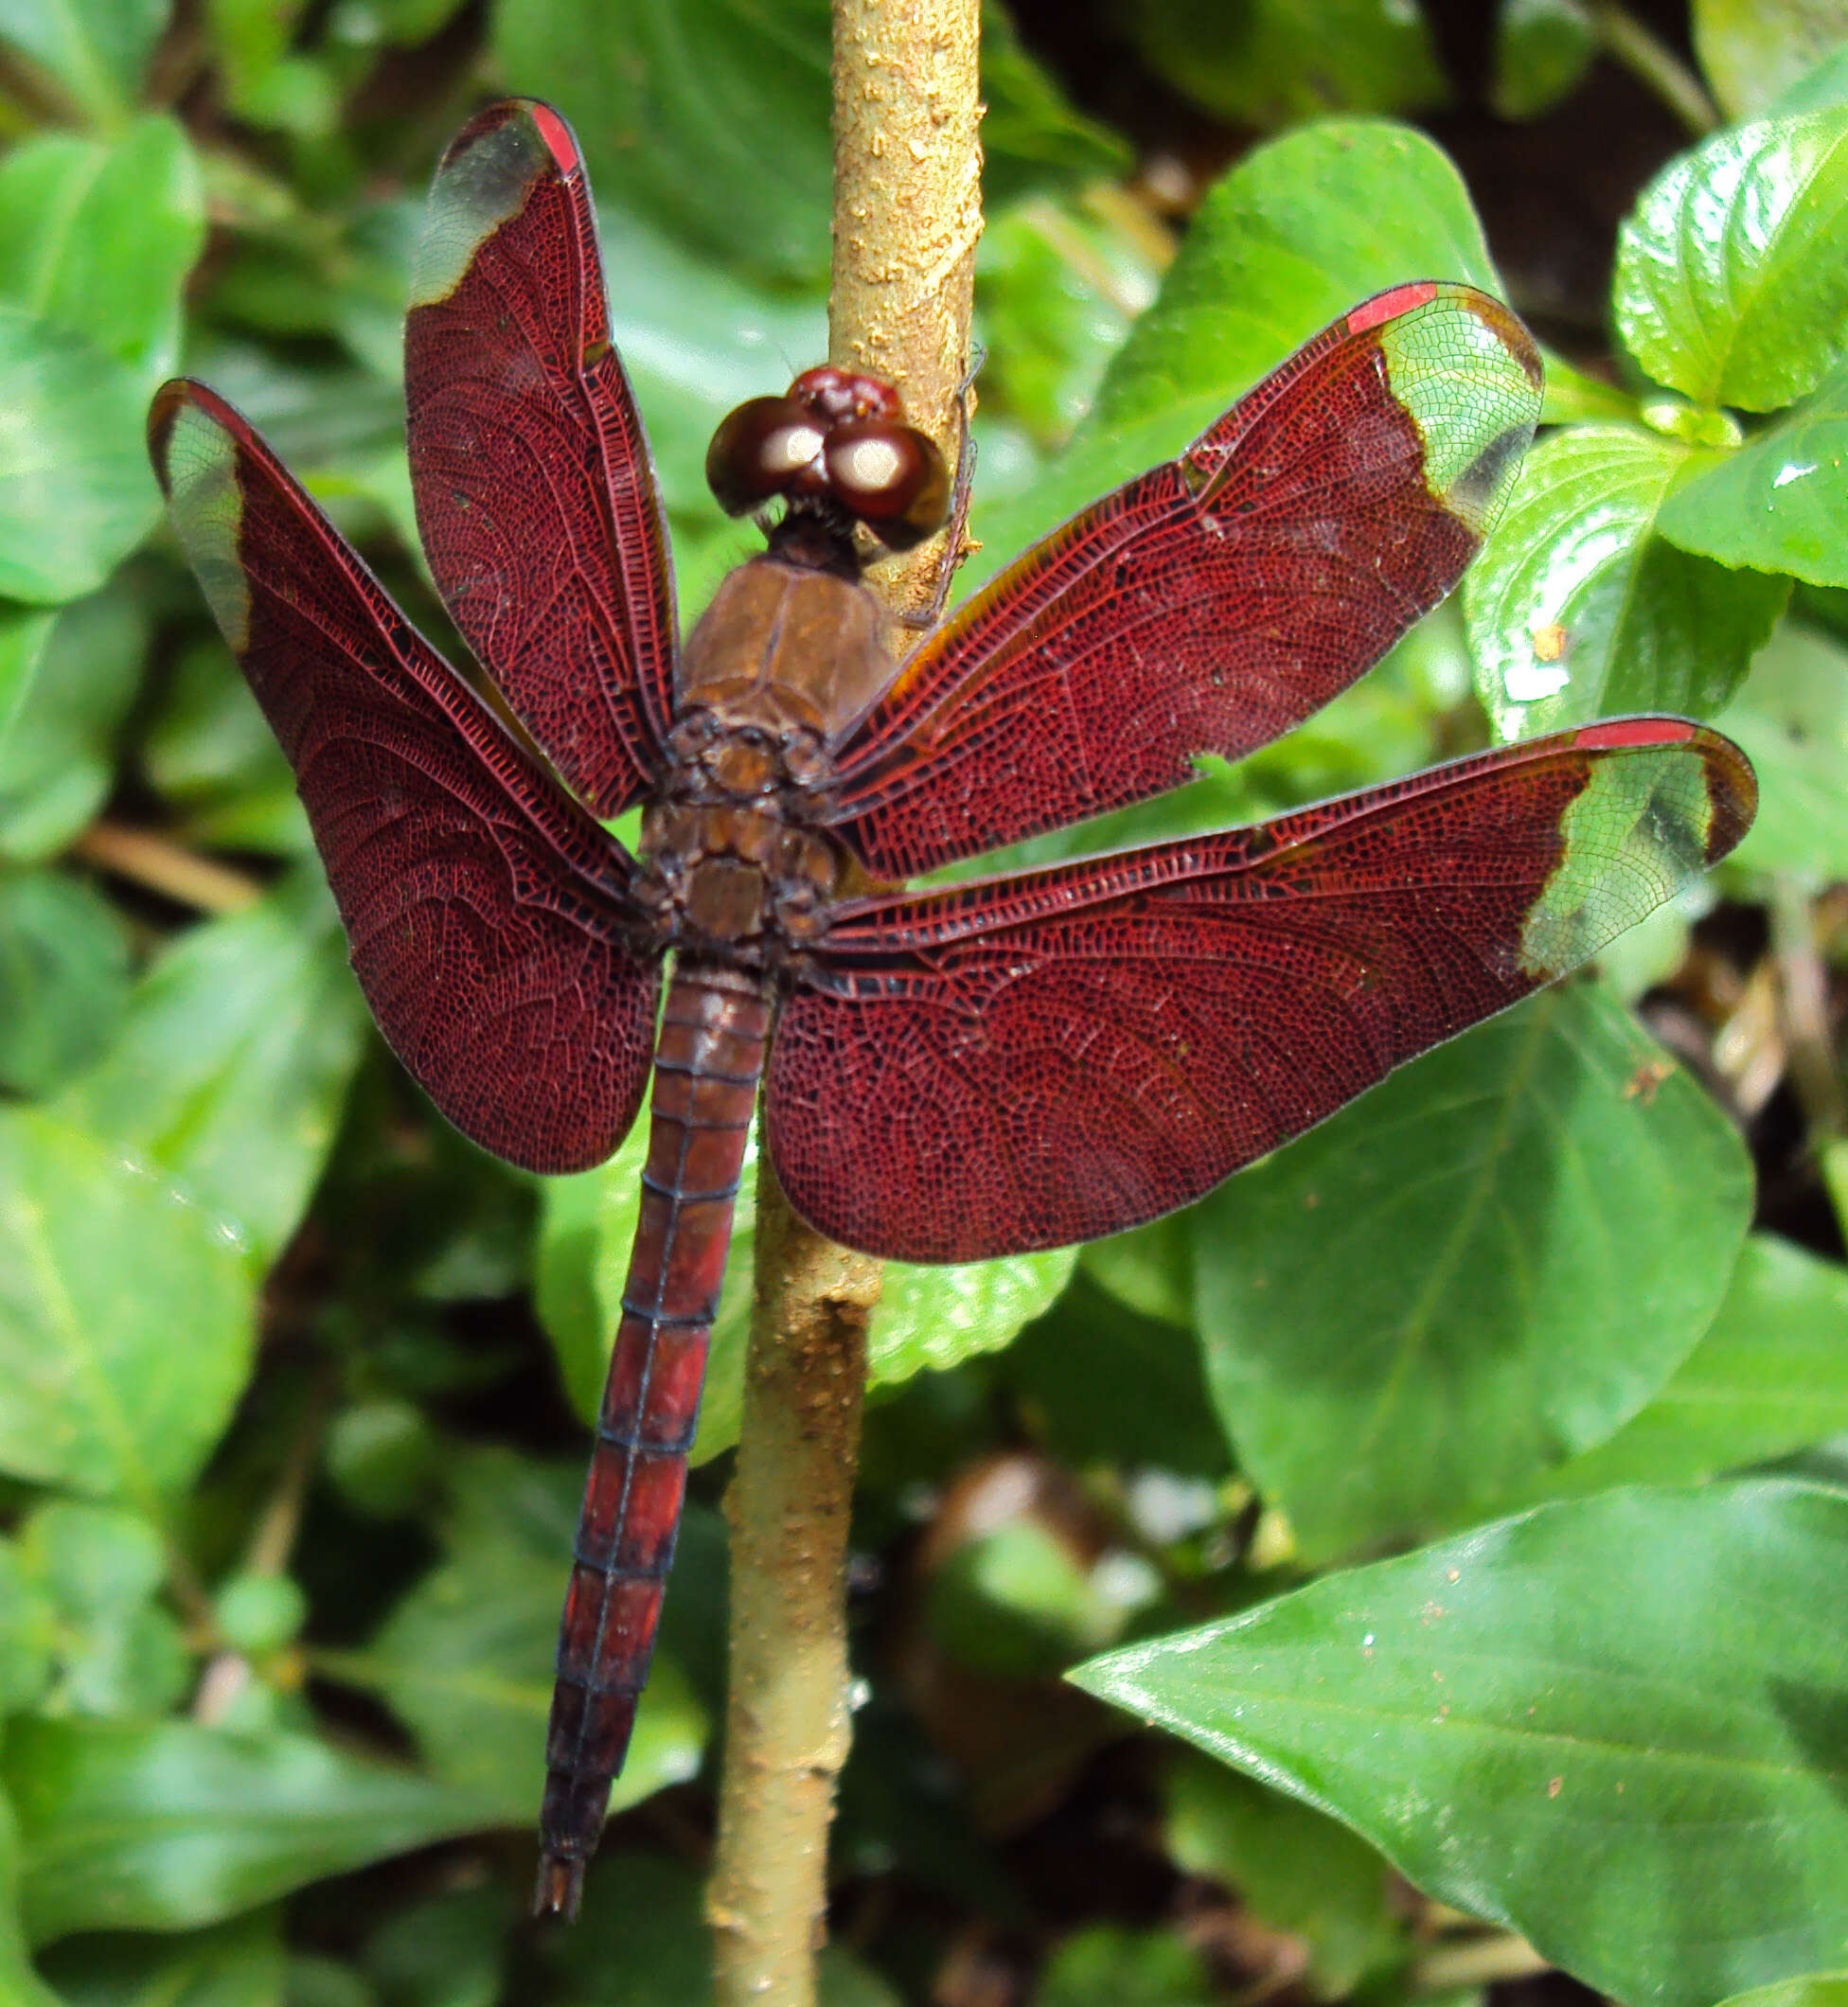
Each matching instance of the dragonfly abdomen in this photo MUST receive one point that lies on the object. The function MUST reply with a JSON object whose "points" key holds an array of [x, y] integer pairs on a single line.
{"points": [[706, 1068]]}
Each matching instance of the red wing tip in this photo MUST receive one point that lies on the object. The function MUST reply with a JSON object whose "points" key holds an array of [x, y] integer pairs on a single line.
{"points": [[1610, 732], [555, 135], [560, 1888], [560, 142], [1388, 305]]}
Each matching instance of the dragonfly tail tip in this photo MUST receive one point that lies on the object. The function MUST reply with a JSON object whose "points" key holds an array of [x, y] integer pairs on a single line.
{"points": [[560, 1888]]}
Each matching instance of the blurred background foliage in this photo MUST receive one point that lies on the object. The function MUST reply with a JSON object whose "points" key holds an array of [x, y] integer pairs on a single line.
{"points": [[1460, 1489]]}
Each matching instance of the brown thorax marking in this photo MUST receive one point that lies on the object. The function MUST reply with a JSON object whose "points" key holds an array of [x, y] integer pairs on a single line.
{"points": [[782, 661]]}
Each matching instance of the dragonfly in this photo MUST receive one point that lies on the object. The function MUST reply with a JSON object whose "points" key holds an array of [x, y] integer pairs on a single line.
{"points": [[951, 1073]]}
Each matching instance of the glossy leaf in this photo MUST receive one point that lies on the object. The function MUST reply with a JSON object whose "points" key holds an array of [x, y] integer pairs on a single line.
{"points": [[1792, 719], [102, 1261], [29, 1627], [93, 51], [1753, 51], [1529, 1190], [1274, 63], [1625, 1707], [1770, 1377], [1780, 503], [168, 1825], [1576, 608], [1292, 236], [231, 1068], [1732, 281], [58, 761], [97, 239], [63, 977], [466, 1659], [234, 1965], [75, 496], [1542, 51]]}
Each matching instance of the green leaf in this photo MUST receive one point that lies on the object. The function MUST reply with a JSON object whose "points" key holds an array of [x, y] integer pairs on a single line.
{"points": [[57, 763], [1479, 1270], [1275, 63], [1101, 1384], [1542, 50], [168, 1825], [1753, 51], [1792, 720], [643, 1941], [237, 1965], [1770, 1376], [466, 1659], [1293, 1867], [1107, 1965], [449, 1950], [29, 1634], [101, 1570], [23, 632], [1732, 281], [233, 1064], [76, 494], [213, 756], [63, 977], [1031, 135], [1613, 1725], [95, 50], [1815, 1989], [125, 1317], [1577, 610], [710, 117], [1299, 231], [926, 1318], [1779, 504], [97, 238], [19, 1985]]}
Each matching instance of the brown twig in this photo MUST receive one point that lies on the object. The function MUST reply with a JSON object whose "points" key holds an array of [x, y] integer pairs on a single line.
{"points": [[907, 212], [159, 866]]}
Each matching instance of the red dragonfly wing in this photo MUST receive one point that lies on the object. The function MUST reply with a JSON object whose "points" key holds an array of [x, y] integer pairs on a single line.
{"points": [[490, 918], [1025, 1061], [534, 489], [1212, 603]]}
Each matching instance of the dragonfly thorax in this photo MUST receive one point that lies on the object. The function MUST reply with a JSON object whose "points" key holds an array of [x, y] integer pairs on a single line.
{"points": [[728, 860]]}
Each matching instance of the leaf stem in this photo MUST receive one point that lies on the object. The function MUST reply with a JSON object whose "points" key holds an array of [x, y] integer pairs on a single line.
{"points": [[907, 213], [158, 865], [1653, 63]]}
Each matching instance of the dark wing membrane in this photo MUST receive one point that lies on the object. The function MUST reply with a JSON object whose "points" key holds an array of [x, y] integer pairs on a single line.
{"points": [[1026, 1061], [1214, 602], [534, 489], [490, 918]]}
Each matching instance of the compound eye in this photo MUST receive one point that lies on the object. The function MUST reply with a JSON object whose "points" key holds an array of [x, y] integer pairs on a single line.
{"points": [[768, 446], [843, 396], [891, 477]]}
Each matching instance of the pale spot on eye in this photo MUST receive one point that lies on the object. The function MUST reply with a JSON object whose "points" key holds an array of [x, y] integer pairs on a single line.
{"points": [[869, 465]]}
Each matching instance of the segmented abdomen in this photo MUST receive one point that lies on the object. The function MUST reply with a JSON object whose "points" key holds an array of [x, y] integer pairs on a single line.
{"points": [[706, 1068]]}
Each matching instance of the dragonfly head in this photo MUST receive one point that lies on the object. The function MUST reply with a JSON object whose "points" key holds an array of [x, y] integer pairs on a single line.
{"points": [[835, 441]]}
